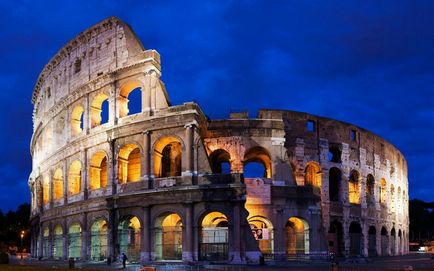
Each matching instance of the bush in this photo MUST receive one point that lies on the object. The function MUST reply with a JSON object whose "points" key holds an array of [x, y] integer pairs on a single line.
{"points": [[4, 257]]}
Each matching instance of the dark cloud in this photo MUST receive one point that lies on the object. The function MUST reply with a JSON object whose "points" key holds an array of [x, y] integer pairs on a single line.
{"points": [[364, 62]]}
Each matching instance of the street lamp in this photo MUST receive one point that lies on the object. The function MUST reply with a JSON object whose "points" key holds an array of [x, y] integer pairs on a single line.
{"points": [[22, 236]]}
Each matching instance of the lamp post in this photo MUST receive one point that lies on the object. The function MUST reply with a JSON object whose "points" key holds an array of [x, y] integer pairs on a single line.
{"points": [[22, 236]]}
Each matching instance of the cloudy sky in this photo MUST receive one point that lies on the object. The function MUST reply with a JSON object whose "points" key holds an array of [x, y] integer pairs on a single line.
{"points": [[370, 63]]}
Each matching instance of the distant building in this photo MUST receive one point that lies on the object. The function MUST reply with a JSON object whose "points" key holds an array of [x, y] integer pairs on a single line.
{"points": [[166, 183]]}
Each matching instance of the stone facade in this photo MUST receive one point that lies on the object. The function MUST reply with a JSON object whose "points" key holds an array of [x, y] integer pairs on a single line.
{"points": [[167, 183]]}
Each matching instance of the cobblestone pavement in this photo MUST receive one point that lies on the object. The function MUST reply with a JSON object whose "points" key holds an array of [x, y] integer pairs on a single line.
{"points": [[416, 261]]}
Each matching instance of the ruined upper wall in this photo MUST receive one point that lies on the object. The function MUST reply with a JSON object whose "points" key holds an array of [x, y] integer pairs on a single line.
{"points": [[105, 47]]}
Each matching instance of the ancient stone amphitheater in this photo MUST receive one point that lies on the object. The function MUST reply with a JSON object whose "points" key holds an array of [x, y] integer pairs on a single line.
{"points": [[166, 183]]}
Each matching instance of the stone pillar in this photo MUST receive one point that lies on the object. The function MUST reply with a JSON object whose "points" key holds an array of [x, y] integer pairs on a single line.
{"points": [[84, 173], [85, 240], [112, 168], [65, 242], [147, 155], [39, 242], [113, 106], [65, 181], [51, 186], [146, 94], [279, 234], [111, 234], [187, 241], [189, 142], [86, 115], [145, 249], [235, 237]]}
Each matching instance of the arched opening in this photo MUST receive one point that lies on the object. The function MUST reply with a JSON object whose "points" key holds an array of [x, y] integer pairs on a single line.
{"points": [[370, 186], [334, 154], [129, 164], [384, 242], [262, 231], [74, 241], [372, 242], [355, 239], [99, 110], [312, 175], [393, 242], [400, 250], [220, 162], [335, 238], [74, 178], [335, 177], [168, 237], [130, 99], [98, 240], [98, 171], [383, 190], [77, 120], [392, 199], [58, 184], [129, 238], [213, 241], [354, 188], [297, 236], [45, 242], [58, 242], [257, 163], [46, 190], [167, 157]]}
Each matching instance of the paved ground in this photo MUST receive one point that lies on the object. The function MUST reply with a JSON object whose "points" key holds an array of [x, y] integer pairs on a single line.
{"points": [[417, 261]]}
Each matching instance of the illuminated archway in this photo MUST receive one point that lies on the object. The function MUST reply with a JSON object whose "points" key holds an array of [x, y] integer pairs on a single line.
{"points": [[77, 120], [46, 189], [168, 237], [129, 164], [354, 187], [58, 242], [167, 157], [58, 184], [99, 116], [74, 178], [214, 239], [262, 231], [297, 236], [98, 171], [257, 163], [383, 190], [129, 237], [220, 161], [74, 241], [312, 175], [124, 95], [98, 240]]}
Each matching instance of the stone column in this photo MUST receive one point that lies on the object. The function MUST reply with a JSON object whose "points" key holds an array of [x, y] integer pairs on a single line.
{"points": [[86, 115], [187, 241], [147, 155], [65, 241], [65, 181], [85, 240], [279, 234], [145, 249], [111, 235], [189, 142], [84, 185], [235, 238]]}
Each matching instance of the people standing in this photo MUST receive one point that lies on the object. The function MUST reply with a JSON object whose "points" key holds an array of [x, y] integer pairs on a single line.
{"points": [[124, 260]]}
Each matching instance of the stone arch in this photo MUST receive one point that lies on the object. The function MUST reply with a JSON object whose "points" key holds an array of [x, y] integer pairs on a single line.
{"points": [[45, 242], [372, 241], [214, 237], [297, 236], [383, 190], [58, 242], [74, 240], [258, 155], [74, 178], [129, 161], [58, 184], [384, 242], [370, 188], [220, 161], [98, 170], [312, 174], [125, 90], [354, 187], [99, 240], [168, 236], [46, 189], [335, 238], [129, 233], [355, 233], [335, 180], [168, 156], [262, 230], [96, 110], [77, 123]]}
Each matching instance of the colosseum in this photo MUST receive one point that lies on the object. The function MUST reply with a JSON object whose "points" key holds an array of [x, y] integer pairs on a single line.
{"points": [[164, 182]]}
